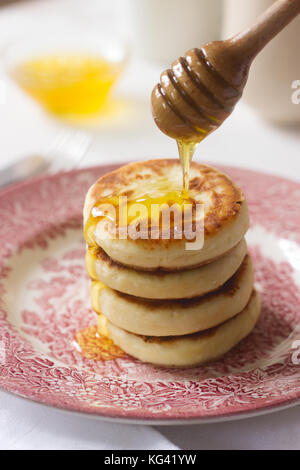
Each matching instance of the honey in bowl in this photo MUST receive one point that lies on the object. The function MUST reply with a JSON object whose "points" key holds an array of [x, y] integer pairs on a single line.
{"points": [[66, 83]]}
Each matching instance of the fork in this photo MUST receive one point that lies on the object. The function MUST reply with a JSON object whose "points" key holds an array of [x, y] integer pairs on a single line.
{"points": [[66, 152]]}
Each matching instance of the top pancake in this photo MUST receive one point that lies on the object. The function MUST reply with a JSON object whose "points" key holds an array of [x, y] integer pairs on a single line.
{"points": [[225, 213]]}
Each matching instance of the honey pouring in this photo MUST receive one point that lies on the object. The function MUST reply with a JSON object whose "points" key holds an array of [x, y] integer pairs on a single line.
{"points": [[197, 94], [201, 89]]}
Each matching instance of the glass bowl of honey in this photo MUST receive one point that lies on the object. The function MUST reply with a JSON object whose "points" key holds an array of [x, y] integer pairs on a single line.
{"points": [[68, 72]]}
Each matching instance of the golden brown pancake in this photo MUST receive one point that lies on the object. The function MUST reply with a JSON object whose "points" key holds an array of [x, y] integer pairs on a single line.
{"points": [[165, 285], [175, 317], [225, 214], [188, 350]]}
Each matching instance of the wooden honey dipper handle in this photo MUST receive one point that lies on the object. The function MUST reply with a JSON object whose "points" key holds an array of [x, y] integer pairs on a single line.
{"points": [[251, 41], [201, 89]]}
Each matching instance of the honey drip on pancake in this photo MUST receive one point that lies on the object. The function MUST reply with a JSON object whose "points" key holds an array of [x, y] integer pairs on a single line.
{"points": [[158, 194], [96, 287], [97, 347], [94, 342]]}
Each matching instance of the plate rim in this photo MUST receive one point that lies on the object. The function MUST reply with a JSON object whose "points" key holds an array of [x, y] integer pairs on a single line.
{"points": [[234, 416]]}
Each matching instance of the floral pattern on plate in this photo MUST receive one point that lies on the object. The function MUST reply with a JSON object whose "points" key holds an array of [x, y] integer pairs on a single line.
{"points": [[44, 292]]}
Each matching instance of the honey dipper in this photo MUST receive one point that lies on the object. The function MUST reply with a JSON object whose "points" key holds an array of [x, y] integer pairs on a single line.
{"points": [[200, 91]]}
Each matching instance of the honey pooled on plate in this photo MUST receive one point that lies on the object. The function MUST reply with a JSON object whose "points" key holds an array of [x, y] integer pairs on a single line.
{"points": [[98, 348]]}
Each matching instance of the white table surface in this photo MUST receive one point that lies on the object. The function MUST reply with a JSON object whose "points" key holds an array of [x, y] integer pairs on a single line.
{"points": [[244, 140]]}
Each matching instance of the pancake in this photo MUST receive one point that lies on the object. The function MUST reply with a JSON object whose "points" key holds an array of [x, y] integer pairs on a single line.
{"points": [[171, 318], [225, 214], [189, 350], [163, 284]]}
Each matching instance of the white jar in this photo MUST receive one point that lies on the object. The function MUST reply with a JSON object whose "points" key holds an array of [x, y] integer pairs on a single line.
{"points": [[162, 30], [275, 70]]}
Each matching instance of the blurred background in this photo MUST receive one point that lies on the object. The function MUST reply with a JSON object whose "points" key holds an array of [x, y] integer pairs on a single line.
{"points": [[76, 78]]}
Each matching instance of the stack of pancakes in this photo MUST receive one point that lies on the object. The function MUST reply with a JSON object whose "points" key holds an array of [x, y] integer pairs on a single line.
{"points": [[158, 301]]}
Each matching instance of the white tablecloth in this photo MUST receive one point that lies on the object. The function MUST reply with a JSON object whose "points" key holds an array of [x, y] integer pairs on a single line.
{"points": [[25, 425], [244, 140]]}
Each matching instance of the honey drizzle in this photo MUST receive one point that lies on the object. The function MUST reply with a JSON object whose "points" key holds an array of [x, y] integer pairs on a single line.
{"points": [[94, 346], [186, 152]]}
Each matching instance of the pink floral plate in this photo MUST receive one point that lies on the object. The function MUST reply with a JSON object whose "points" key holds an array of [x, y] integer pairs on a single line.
{"points": [[44, 294]]}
